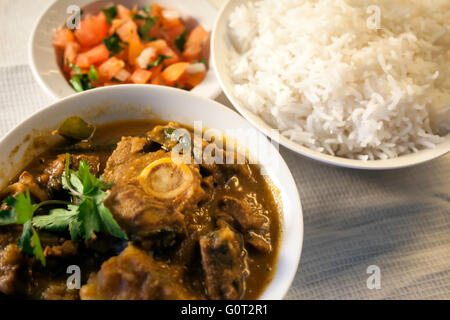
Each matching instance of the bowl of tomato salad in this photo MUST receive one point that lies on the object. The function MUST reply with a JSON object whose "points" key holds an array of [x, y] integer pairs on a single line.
{"points": [[108, 43]]}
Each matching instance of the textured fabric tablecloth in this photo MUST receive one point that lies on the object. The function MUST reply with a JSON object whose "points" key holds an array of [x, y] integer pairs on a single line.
{"points": [[397, 220]]}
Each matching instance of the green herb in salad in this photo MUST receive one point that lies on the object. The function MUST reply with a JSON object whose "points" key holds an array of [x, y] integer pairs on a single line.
{"points": [[144, 31], [110, 13], [114, 44], [180, 41], [93, 74], [158, 61]]}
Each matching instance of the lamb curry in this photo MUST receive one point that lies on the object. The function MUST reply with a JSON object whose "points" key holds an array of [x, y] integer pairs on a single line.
{"points": [[111, 202]]}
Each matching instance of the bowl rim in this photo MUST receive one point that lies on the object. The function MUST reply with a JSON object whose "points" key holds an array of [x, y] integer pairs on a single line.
{"points": [[210, 84], [291, 245], [402, 161]]}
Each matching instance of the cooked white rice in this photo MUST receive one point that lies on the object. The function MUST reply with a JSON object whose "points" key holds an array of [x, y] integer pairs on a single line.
{"points": [[317, 72]]}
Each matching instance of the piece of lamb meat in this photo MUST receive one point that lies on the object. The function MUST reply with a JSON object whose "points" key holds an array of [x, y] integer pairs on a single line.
{"points": [[147, 222], [224, 263], [134, 275]]}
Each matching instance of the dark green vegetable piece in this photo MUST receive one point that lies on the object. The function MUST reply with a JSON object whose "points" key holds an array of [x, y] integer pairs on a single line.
{"points": [[93, 74], [110, 13], [76, 129], [81, 82], [21, 212], [158, 61], [114, 44], [180, 41], [143, 31]]}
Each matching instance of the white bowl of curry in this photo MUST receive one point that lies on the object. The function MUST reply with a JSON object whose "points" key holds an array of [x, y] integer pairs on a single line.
{"points": [[153, 193]]}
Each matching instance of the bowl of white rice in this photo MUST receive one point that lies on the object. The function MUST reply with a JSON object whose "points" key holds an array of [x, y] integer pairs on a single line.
{"points": [[355, 83]]}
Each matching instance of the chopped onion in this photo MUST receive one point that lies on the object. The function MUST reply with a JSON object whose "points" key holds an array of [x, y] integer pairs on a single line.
{"points": [[146, 55], [170, 14], [196, 68], [122, 75]]}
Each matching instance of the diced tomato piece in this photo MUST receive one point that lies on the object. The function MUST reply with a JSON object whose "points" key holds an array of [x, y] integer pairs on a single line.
{"points": [[156, 10], [123, 12], [163, 48], [169, 52], [170, 18], [157, 44], [95, 55], [194, 44], [63, 37], [116, 24], [71, 52], [92, 30], [140, 76], [156, 71], [174, 72], [135, 48], [194, 79], [174, 32], [158, 80], [110, 68], [127, 30]]}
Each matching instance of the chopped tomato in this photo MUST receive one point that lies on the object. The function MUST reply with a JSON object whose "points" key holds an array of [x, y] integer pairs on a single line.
{"points": [[127, 30], [156, 10], [141, 76], [174, 72], [71, 52], [110, 68], [62, 37], [135, 48], [174, 32], [123, 12], [194, 44], [195, 79], [95, 55], [92, 30]]}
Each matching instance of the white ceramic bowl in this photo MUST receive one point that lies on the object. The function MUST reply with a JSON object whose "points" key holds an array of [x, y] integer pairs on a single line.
{"points": [[144, 102], [220, 51], [43, 59]]}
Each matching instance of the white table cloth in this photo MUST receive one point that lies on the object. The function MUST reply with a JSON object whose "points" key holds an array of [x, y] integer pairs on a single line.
{"points": [[397, 220]]}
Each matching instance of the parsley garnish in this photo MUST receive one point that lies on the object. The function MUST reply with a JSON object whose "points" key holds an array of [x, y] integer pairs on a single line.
{"points": [[21, 212], [80, 82], [158, 61], [150, 22], [87, 215], [93, 74], [180, 41], [110, 13], [114, 44]]}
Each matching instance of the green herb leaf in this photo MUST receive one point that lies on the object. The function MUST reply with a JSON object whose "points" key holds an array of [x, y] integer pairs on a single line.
{"points": [[58, 220], [93, 74], [30, 243], [138, 16], [114, 44], [158, 61], [150, 22], [180, 41], [91, 214], [81, 82], [110, 13]]}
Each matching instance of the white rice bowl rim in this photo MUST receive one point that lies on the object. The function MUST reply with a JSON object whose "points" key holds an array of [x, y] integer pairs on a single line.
{"points": [[220, 48]]}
